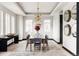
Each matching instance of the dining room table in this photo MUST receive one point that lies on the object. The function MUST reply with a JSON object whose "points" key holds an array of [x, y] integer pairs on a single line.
{"points": [[44, 42]]}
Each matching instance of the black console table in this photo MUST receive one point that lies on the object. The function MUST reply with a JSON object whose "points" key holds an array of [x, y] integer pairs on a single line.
{"points": [[16, 38], [4, 43], [7, 40]]}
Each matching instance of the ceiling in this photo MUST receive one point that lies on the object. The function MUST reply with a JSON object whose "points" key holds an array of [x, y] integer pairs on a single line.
{"points": [[44, 7], [13, 7], [30, 8]]}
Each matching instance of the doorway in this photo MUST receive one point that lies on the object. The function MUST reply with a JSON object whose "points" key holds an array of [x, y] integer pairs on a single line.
{"points": [[61, 29]]}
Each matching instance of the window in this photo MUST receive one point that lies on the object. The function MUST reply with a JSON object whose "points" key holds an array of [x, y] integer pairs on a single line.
{"points": [[7, 23], [12, 24], [47, 26], [29, 26], [1, 22]]}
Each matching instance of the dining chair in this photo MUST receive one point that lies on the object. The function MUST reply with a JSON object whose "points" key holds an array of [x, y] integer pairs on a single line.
{"points": [[28, 40], [45, 43], [37, 43]]}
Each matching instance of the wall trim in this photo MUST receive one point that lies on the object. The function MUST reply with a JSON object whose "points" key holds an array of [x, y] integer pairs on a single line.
{"points": [[21, 40], [55, 41], [68, 51]]}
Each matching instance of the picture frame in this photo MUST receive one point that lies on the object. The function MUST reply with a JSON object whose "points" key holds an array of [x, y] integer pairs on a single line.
{"points": [[67, 15], [67, 30], [74, 12]]}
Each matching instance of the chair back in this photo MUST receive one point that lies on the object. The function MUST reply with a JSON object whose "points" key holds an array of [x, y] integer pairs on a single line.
{"points": [[28, 36], [37, 40], [46, 37]]}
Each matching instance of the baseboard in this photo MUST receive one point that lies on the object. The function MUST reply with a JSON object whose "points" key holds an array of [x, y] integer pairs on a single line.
{"points": [[24, 39], [21, 40], [64, 48], [55, 41], [69, 51], [50, 39]]}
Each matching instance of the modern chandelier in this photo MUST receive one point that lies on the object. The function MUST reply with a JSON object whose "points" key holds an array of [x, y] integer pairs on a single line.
{"points": [[38, 14], [37, 18]]}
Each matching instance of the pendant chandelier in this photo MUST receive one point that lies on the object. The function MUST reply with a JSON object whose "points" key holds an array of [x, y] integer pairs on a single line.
{"points": [[38, 14], [37, 18]]}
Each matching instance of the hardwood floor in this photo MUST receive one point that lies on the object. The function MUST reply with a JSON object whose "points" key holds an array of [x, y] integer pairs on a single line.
{"points": [[20, 50]]}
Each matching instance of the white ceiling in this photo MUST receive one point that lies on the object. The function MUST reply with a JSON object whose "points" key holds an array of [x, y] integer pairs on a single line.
{"points": [[21, 8], [44, 7], [13, 7]]}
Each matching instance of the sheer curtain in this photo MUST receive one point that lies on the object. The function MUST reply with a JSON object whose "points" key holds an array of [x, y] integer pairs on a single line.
{"points": [[7, 23], [12, 24]]}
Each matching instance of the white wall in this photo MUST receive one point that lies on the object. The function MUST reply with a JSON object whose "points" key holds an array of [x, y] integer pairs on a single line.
{"points": [[69, 42], [56, 21], [19, 27], [56, 27]]}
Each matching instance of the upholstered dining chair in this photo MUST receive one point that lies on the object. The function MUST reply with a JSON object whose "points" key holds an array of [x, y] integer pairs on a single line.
{"points": [[46, 38], [45, 43], [28, 40], [37, 43]]}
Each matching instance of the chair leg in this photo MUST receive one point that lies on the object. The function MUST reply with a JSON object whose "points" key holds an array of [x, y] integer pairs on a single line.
{"points": [[34, 48], [30, 47], [26, 45], [40, 47], [47, 46]]}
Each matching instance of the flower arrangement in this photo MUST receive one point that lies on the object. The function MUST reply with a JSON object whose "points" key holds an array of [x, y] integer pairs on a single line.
{"points": [[37, 28]]}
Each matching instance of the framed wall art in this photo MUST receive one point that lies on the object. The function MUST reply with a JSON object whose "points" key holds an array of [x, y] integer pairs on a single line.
{"points": [[67, 15], [74, 12], [67, 30]]}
